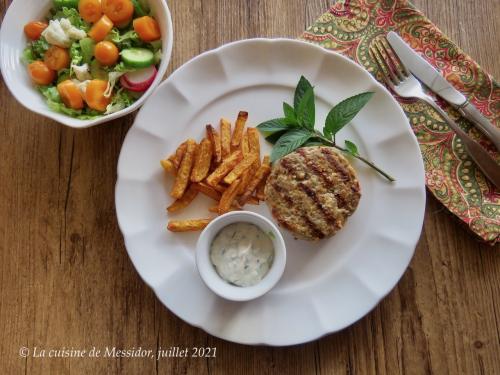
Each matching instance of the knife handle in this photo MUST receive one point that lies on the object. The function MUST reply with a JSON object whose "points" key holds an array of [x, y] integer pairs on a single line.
{"points": [[471, 113]]}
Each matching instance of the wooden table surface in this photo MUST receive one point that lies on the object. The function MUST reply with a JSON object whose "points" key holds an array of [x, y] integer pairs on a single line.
{"points": [[66, 280]]}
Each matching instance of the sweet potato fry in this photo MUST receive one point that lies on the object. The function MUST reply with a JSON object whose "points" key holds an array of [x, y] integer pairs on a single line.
{"points": [[261, 174], [253, 200], [216, 145], [220, 188], [228, 197], [184, 171], [179, 154], [238, 170], [246, 177], [222, 170], [259, 191], [254, 141], [168, 166], [209, 191], [184, 201], [238, 129], [244, 147], [191, 225], [202, 161], [225, 137], [216, 209]]}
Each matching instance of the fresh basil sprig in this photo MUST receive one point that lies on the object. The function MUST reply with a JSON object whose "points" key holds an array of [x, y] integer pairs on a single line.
{"points": [[296, 128]]}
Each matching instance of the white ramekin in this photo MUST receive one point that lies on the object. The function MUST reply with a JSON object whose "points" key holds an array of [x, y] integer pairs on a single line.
{"points": [[210, 275]]}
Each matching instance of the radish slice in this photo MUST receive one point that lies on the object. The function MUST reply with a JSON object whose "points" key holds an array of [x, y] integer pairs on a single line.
{"points": [[125, 84], [140, 80]]}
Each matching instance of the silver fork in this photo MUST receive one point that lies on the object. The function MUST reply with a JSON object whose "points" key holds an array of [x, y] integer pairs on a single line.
{"points": [[406, 85]]}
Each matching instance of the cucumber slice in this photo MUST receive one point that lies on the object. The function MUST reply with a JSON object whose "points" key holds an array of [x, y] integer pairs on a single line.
{"points": [[137, 57], [59, 4]]}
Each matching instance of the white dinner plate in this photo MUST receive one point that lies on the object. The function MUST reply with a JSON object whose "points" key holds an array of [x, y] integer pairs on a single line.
{"points": [[327, 285]]}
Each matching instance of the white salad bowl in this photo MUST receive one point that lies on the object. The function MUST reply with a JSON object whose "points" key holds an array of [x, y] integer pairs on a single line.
{"points": [[15, 74], [210, 276]]}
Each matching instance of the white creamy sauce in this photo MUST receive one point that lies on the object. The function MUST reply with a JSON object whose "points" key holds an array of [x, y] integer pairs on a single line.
{"points": [[242, 254]]}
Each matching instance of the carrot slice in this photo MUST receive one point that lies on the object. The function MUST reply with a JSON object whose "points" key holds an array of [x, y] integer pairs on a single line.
{"points": [[101, 28], [56, 58], [118, 11], [106, 53], [34, 29], [94, 95], [147, 28], [40, 73], [90, 10], [70, 94]]}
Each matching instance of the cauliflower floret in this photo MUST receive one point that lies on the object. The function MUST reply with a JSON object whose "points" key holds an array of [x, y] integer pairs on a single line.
{"points": [[71, 31], [81, 72], [61, 32], [54, 34]]}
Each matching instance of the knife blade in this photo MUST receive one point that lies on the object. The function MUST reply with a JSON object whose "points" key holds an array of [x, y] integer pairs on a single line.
{"points": [[433, 79]]}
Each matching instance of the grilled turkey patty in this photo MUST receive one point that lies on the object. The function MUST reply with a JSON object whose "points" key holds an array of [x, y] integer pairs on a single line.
{"points": [[312, 192]]}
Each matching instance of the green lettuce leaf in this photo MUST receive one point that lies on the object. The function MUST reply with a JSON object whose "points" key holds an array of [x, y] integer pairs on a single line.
{"points": [[55, 103], [27, 56], [125, 39], [75, 53], [73, 16], [140, 9], [122, 68], [122, 99], [63, 75], [35, 50], [97, 71]]}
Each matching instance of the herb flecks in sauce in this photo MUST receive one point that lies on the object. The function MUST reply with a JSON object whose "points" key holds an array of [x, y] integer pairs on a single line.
{"points": [[242, 254]]}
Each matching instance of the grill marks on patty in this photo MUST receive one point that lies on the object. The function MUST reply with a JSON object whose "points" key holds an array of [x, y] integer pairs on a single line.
{"points": [[312, 191], [319, 171], [288, 224], [309, 192], [333, 161], [346, 185]]}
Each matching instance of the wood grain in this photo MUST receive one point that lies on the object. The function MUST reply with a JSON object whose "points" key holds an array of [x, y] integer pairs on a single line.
{"points": [[66, 280]]}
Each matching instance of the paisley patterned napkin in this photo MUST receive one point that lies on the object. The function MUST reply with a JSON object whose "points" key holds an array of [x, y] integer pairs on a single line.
{"points": [[351, 26]]}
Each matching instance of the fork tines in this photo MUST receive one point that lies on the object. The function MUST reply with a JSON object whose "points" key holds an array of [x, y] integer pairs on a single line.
{"points": [[392, 69]]}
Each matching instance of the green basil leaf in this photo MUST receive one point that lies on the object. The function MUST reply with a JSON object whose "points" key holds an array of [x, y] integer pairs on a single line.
{"points": [[289, 142], [300, 90], [306, 111], [276, 124], [344, 112], [327, 133], [288, 111], [273, 137], [351, 148], [315, 141], [312, 143]]}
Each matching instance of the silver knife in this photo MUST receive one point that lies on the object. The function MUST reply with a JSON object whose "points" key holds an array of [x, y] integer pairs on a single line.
{"points": [[427, 74]]}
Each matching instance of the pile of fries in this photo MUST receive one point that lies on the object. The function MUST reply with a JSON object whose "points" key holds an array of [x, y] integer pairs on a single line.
{"points": [[225, 166]]}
